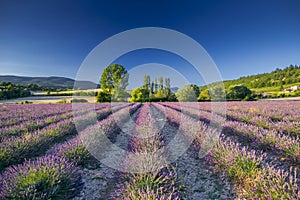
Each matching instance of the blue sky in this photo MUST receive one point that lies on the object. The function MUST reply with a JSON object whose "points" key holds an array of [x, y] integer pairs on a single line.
{"points": [[52, 38]]}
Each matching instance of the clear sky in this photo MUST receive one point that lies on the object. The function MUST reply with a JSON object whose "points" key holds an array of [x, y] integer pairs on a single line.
{"points": [[243, 37]]}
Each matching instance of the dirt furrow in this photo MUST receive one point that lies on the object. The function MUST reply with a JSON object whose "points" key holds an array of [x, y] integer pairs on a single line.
{"points": [[199, 180], [100, 181]]}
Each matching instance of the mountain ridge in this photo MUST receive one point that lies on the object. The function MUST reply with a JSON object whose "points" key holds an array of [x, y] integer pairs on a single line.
{"points": [[54, 82]]}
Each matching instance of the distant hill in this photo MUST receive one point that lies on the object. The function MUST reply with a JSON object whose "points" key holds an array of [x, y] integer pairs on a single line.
{"points": [[276, 80], [48, 82]]}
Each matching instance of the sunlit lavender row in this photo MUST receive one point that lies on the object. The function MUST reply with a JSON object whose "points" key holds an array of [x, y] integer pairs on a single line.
{"points": [[57, 170], [44, 157], [241, 164], [147, 175], [267, 139]]}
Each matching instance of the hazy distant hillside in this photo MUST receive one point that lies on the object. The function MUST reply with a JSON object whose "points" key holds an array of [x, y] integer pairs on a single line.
{"points": [[48, 82]]}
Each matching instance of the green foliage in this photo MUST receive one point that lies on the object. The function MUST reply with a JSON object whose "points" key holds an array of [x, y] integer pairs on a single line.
{"points": [[10, 91], [212, 92], [103, 97], [204, 96], [48, 177], [243, 169], [272, 184], [196, 89], [239, 92], [139, 95], [79, 101], [146, 83], [217, 93], [167, 87], [186, 94], [112, 76], [78, 154], [277, 78], [160, 94], [153, 91], [161, 83], [114, 80], [119, 94]]}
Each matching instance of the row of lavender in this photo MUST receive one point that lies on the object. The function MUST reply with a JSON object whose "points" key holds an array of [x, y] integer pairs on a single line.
{"points": [[56, 175], [251, 177], [280, 116], [146, 173], [13, 114], [40, 116], [271, 110], [41, 120], [285, 146], [14, 150]]}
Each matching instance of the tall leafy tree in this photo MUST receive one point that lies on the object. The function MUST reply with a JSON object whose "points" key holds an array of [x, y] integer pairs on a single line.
{"points": [[114, 76], [161, 83], [114, 80], [167, 86], [155, 85], [152, 89], [146, 83]]}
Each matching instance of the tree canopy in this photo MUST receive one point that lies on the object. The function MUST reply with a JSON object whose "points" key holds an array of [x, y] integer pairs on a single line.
{"points": [[113, 76], [186, 94], [238, 92], [10, 91], [114, 80], [157, 90], [139, 95]]}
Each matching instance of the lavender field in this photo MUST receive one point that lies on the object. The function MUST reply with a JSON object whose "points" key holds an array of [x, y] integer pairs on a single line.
{"points": [[253, 153]]}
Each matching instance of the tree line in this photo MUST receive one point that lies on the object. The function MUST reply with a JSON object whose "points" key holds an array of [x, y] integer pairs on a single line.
{"points": [[114, 81], [10, 91], [158, 89]]}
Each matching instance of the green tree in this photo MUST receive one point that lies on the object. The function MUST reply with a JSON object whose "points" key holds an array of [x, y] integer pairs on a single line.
{"points": [[114, 80], [239, 92], [217, 93], [204, 95], [155, 85], [186, 94], [151, 89], [146, 83], [112, 76], [281, 85], [119, 94], [196, 89], [139, 95], [160, 94], [161, 83], [167, 87], [103, 96]]}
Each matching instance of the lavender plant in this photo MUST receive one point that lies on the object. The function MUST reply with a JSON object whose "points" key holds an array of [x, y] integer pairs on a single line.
{"points": [[48, 177], [74, 151], [155, 179]]}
